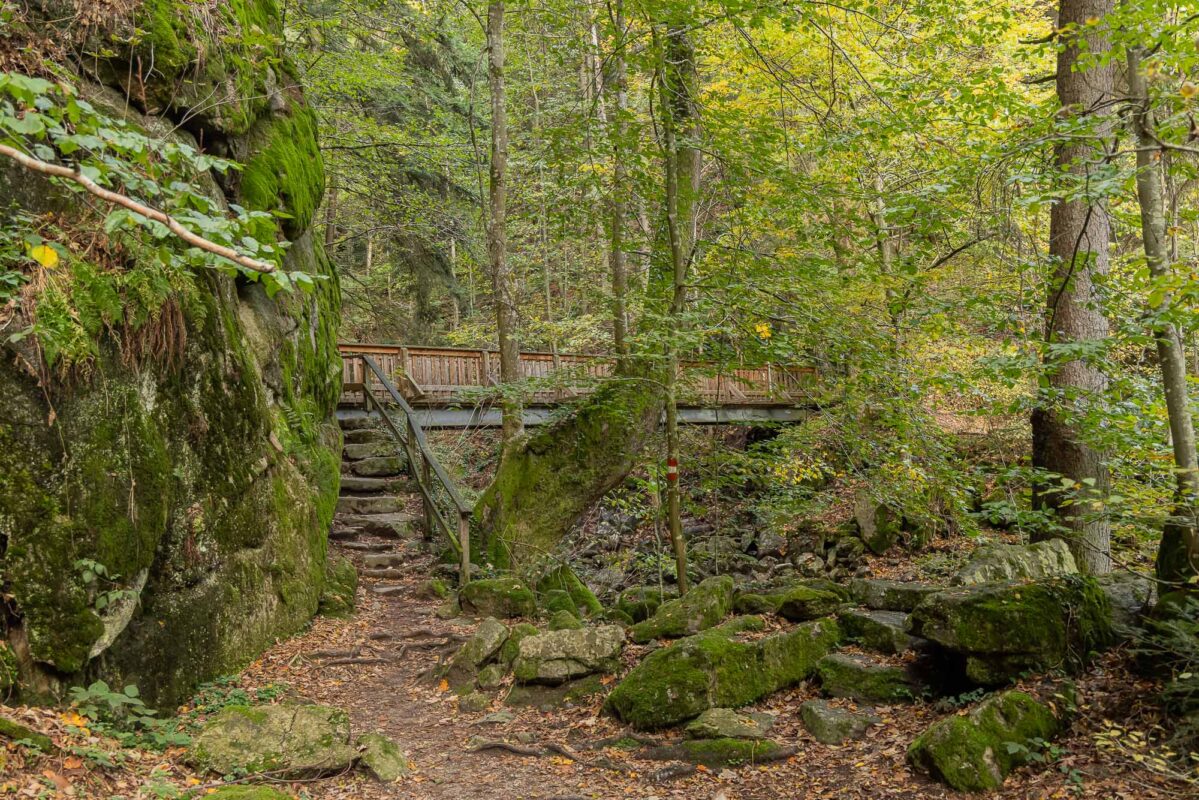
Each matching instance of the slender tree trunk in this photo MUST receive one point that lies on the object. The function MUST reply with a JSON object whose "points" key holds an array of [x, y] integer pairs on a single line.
{"points": [[1079, 236], [1178, 558], [678, 82], [497, 238], [619, 196]]}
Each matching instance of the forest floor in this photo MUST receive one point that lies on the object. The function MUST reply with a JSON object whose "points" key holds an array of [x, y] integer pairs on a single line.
{"points": [[379, 664]]}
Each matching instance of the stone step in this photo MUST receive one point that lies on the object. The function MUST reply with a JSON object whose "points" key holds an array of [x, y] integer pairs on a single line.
{"points": [[355, 484], [367, 547], [386, 526], [345, 533], [357, 452], [884, 595], [389, 467], [364, 436], [882, 631], [383, 560], [371, 504]]}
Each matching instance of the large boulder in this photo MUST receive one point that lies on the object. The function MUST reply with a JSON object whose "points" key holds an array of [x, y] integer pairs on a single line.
{"points": [[286, 740], [974, 752], [887, 595], [497, 597], [804, 602], [715, 670], [699, 609], [642, 602], [1017, 562], [858, 678], [383, 757], [1129, 595], [882, 631], [1003, 630], [561, 655]]}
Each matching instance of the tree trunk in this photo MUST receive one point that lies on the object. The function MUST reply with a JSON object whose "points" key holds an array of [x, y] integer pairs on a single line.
{"points": [[678, 82], [1078, 246], [1178, 558], [619, 199], [497, 237]]}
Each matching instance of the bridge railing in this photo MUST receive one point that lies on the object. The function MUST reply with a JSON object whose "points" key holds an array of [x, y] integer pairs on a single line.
{"points": [[436, 376], [444, 506]]}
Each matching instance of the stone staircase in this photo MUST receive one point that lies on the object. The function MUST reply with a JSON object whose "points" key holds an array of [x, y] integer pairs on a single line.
{"points": [[377, 518]]}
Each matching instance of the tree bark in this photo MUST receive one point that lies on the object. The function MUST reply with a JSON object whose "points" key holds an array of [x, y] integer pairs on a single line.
{"points": [[1079, 236], [1178, 558], [502, 278], [619, 198]]}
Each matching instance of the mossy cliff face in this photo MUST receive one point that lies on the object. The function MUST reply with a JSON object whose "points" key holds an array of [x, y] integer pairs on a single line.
{"points": [[202, 483]]}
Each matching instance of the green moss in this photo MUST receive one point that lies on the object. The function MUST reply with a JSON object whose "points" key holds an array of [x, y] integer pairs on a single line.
{"points": [[511, 648], [499, 597], [641, 602], [726, 752], [22, 733], [801, 603], [699, 609], [564, 579], [556, 600], [847, 676], [247, 793], [284, 173], [341, 584], [564, 621], [970, 753]]}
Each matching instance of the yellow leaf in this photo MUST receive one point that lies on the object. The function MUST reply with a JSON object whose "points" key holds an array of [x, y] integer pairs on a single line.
{"points": [[45, 255], [1188, 90], [444, 686]]}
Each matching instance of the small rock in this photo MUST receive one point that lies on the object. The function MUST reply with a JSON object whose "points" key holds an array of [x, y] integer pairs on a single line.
{"points": [[433, 589], [491, 676], [829, 724], [802, 603], [282, 739], [878, 526], [473, 703], [247, 793], [564, 621], [718, 723], [720, 752], [476, 651], [884, 595], [640, 602], [383, 758], [497, 718], [564, 579]]}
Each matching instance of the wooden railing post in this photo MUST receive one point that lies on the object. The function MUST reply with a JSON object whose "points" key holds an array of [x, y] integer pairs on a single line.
{"points": [[464, 546]]}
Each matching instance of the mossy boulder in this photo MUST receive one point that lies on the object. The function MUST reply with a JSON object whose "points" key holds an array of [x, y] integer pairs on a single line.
{"points": [[341, 585], [497, 597], [879, 527], [715, 670], [483, 646], [756, 603], [1004, 630], [641, 602], [562, 655], [562, 578], [516, 635], [971, 752], [247, 793], [882, 631], [547, 698], [802, 603], [858, 678], [564, 621], [701, 608], [556, 600], [23, 733], [383, 757], [1017, 562], [718, 753], [287, 740]]}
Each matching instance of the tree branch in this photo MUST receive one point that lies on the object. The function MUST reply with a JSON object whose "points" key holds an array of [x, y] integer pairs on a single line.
{"points": [[46, 168]]}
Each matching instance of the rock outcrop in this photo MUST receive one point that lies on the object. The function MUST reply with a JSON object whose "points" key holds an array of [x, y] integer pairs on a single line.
{"points": [[699, 609], [171, 425], [1015, 562], [562, 655]]}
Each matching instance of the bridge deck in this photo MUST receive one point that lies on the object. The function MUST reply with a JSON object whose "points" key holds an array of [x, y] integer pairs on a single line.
{"points": [[444, 384]]}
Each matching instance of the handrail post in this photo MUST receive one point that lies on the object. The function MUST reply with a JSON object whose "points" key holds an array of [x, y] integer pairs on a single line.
{"points": [[464, 546]]}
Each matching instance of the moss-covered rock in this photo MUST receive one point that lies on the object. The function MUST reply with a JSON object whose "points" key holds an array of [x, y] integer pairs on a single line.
{"points": [[498, 597], [886, 595], [725, 752], [970, 752], [291, 740], [1003, 630], [247, 793], [701, 608], [483, 646], [564, 621], [516, 635], [724, 723], [714, 670], [801, 603], [878, 525], [562, 578], [341, 585], [383, 757], [547, 698], [831, 724], [882, 631], [860, 679], [641, 602], [23, 733], [556, 601]]}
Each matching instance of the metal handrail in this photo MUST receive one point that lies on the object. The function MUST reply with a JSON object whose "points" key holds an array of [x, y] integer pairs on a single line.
{"points": [[417, 449]]}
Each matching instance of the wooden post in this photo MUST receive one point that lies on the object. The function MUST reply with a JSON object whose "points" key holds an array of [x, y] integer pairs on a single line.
{"points": [[485, 378], [464, 544], [406, 362]]}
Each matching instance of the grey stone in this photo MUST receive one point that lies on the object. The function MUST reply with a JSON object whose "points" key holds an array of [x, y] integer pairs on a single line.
{"points": [[829, 724], [1012, 562], [282, 739], [497, 718], [878, 526], [382, 467], [476, 651], [717, 723], [473, 703], [385, 760], [702, 607], [371, 504], [1128, 594], [883, 631], [858, 678], [376, 449], [491, 676], [885, 595], [562, 655]]}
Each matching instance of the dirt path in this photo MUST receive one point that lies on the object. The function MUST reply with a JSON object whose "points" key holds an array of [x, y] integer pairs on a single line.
{"points": [[389, 690]]}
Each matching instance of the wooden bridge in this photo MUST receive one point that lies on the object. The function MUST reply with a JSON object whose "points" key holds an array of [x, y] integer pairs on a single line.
{"points": [[447, 386]]}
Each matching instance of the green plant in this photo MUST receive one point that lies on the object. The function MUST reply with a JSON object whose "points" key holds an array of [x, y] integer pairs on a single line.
{"points": [[125, 716], [95, 576]]}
